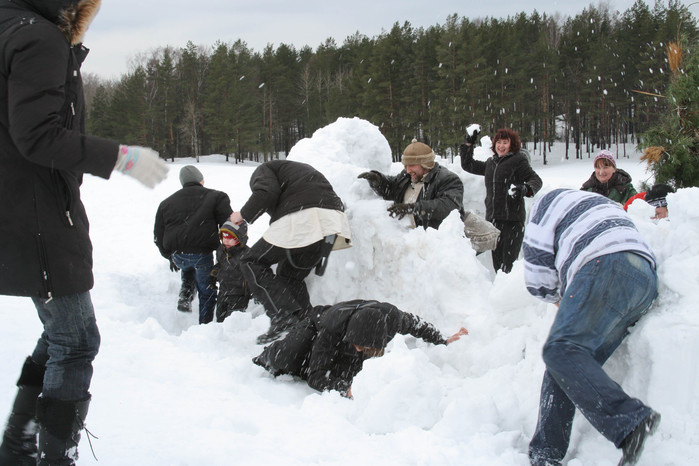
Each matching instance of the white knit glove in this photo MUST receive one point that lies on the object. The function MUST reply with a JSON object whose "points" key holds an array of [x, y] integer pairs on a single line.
{"points": [[141, 163]]}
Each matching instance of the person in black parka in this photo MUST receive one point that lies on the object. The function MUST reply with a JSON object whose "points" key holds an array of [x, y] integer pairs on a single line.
{"points": [[233, 292], [328, 348], [186, 233], [424, 190], [307, 220], [45, 247], [509, 178]]}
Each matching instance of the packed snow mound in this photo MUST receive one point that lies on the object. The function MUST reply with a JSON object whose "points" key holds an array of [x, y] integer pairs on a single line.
{"points": [[389, 261], [351, 142]]}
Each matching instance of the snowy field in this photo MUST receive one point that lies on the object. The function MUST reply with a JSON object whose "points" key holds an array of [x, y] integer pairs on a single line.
{"points": [[167, 391]]}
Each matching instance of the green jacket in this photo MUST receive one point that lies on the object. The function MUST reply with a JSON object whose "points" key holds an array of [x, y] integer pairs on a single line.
{"points": [[619, 187]]}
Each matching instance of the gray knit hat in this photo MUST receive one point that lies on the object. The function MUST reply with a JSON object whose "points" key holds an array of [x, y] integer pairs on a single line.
{"points": [[190, 174]]}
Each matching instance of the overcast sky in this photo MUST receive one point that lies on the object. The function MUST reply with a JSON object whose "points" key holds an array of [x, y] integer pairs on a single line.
{"points": [[123, 29]]}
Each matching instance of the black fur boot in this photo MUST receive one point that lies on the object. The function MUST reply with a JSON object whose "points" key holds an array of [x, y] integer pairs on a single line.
{"points": [[60, 424], [19, 440]]}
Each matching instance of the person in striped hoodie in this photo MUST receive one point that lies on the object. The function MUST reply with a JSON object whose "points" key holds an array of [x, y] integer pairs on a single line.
{"points": [[583, 253]]}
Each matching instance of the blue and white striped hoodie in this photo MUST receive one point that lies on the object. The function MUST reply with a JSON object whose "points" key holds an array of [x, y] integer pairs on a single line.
{"points": [[567, 229]]}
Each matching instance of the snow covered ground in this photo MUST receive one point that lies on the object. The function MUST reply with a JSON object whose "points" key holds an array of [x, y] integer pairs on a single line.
{"points": [[167, 391]]}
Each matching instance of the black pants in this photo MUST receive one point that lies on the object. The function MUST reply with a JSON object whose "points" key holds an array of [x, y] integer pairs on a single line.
{"points": [[227, 304], [292, 354], [283, 294], [509, 243]]}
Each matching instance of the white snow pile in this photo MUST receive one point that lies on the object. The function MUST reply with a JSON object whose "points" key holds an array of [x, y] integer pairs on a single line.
{"points": [[167, 391]]}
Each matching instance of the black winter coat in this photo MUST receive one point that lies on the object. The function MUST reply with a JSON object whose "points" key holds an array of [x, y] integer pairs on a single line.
{"points": [[227, 271], [442, 192], [45, 249], [500, 173], [188, 221], [281, 187], [334, 362]]}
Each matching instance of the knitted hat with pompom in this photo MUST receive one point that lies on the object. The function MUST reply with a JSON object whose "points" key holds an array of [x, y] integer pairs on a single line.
{"points": [[418, 153]]}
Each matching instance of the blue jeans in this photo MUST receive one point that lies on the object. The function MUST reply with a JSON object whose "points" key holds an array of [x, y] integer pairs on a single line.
{"points": [[68, 345], [202, 265], [607, 296]]}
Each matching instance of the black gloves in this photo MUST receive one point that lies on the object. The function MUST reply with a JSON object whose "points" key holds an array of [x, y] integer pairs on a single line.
{"points": [[519, 190], [173, 266], [473, 138], [401, 210], [372, 177]]}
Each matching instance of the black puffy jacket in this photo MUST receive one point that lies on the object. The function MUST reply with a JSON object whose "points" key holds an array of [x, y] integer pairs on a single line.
{"points": [[227, 271], [281, 187], [500, 173], [334, 361], [45, 249], [188, 221], [442, 192]]}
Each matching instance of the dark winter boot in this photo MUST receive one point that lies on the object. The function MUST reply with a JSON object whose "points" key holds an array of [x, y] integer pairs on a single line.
{"points": [[19, 440], [274, 333], [632, 445], [187, 291], [60, 423]]}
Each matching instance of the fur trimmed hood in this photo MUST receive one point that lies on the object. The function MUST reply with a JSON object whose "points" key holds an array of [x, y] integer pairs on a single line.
{"points": [[73, 17]]}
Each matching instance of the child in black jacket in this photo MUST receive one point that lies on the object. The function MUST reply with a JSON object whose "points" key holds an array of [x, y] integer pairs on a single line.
{"points": [[233, 293]]}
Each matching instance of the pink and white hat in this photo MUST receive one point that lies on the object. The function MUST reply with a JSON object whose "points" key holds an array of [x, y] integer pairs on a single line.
{"points": [[605, 154]]}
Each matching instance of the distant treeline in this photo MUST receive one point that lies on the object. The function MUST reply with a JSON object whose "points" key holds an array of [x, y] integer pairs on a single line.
{"points": [[600, 76]]}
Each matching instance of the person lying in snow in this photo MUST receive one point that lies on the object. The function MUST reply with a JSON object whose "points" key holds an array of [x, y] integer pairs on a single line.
{"points": [[328, 348]]}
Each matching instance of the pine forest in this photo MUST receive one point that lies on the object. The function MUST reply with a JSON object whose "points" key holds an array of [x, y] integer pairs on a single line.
{"points": [[594, 80]]}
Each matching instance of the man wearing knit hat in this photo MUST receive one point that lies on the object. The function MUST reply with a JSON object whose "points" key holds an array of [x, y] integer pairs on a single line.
{"points": [[424, 190], [186, 233], [328, 348]]}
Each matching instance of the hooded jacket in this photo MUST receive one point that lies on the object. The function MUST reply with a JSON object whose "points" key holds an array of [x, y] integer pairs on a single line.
{"points": [[45, 248], [334, 362], [500, 173], [282, 187], [442, 192], [619, 187]]}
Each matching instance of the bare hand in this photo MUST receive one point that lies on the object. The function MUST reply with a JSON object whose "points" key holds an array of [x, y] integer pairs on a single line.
{"points": [[457, 335], [236, 218]]}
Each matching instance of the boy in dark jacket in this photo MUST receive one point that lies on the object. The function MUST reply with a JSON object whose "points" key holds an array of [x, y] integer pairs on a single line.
{"points": [[328, 348], [233, 292]]}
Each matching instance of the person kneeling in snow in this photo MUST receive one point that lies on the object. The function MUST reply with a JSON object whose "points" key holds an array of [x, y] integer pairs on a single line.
{"points": [[427, 193], [328, 348]]}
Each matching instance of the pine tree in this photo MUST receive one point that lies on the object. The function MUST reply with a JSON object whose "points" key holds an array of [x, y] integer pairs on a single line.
{"points": [[672, 147]]}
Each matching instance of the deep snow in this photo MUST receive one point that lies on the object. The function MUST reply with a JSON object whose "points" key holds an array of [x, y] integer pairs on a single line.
{"points": [[167, 391]]}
